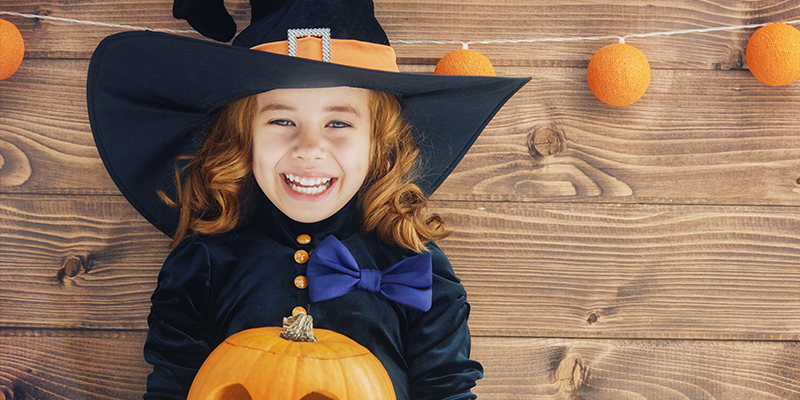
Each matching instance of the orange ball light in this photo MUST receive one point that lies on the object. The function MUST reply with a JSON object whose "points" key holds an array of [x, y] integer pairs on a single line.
{"points": [[464, 62], [12, 49], [773, 54], [618, 74]]}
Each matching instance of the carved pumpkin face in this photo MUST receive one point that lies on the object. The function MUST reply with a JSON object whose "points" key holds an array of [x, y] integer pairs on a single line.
{"points": [[258, 364]]}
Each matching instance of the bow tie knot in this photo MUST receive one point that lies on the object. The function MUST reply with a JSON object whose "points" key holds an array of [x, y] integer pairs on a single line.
{"points": [[333, 272], [370, 280]]}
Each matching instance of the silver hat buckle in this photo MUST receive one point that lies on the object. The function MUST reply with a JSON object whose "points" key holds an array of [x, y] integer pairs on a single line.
{"points": [[324, 33]]}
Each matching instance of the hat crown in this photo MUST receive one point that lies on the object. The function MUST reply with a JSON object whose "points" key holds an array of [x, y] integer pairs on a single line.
{"points": [[346, 19]]}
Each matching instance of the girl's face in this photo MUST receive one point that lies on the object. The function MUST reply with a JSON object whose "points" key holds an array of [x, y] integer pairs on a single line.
{"points": [[311, 148]]}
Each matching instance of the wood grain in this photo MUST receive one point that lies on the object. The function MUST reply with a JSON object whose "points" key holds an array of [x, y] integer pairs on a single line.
{"points": [[694, 137], [718, 137], [538, 270], [109, 365], [45, 140], [461, 20], [484, 20], [635, 271], [69, 365], [636, 369], [76, 262], [57, 39]]}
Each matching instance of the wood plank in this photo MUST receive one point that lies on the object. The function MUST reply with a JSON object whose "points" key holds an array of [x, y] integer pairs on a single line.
{"points": [[45, 140], [635, 271], [520, 19], [72, 365], [716, 137], [108, 365], [694, 137], [519, 368], [58, 39], [76, 262], [461, 20], [539, 270], [44, 127]]}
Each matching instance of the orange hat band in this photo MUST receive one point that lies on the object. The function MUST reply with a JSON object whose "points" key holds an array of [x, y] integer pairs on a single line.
{"points": [[353, 53]]}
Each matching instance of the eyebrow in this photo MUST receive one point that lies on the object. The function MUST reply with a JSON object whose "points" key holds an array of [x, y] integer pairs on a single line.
{"points": [[343, 109], [284, 107], [276, 107]]}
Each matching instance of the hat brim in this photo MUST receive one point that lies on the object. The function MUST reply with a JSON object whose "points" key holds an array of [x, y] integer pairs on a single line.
{"points": [[150, 97]]}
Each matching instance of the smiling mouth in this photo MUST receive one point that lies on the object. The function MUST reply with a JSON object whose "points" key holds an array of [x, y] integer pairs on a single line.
{"points": [[310, 186]]}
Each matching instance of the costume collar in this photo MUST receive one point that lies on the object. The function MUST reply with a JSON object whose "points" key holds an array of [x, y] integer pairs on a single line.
{"points": [[285, 230]]}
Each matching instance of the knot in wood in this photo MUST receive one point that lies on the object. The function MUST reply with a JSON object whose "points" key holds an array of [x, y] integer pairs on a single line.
{"points": [[546, 141], [70, 268], [43, 12], [570, 374], [733, 60]]}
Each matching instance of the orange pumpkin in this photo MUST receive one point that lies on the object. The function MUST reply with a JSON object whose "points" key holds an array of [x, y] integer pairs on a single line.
{"points": [[259, 364]]}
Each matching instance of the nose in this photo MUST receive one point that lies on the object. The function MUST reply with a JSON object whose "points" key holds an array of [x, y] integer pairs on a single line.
{"points": [[310, 144]]}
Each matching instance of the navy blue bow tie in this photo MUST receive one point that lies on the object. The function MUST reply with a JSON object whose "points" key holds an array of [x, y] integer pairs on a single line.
{"points": [[333, 272]]}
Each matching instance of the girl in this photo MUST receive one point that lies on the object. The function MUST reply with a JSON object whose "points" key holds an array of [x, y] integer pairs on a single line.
{"points": [[294, 163]]}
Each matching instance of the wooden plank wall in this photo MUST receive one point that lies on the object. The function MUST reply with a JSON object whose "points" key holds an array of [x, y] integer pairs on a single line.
{"points": [[655, 253]]}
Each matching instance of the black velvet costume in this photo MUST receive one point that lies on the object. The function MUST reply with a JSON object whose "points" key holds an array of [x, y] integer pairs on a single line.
{"points": [[211, 287]]}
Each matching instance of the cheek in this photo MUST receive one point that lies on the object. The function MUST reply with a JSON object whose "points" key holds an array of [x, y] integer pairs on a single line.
{"points": [[362, 159], [264, 169], [364, 165], [262, 181], [266, 154], [258, 164]]}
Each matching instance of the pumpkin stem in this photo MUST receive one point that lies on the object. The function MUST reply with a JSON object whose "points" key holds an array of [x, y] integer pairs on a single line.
{"points": [[299, 328]]}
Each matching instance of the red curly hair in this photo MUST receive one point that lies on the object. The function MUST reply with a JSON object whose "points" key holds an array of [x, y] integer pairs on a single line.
{"points": [[211, 185]]}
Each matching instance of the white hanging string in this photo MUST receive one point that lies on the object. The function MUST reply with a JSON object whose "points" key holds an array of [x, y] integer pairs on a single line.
{"points": [[464, 44], [78, 21]]}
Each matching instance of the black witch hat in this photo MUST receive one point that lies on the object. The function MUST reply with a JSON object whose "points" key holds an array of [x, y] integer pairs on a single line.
{"points": [[151, 95]]}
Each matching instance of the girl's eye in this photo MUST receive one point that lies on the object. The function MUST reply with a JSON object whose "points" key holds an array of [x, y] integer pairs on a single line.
{"points": [[338, 124], [281, 122]]}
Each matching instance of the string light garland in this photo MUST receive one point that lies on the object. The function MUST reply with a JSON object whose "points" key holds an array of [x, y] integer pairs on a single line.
{"points": [[465, 45], [620, 72]]}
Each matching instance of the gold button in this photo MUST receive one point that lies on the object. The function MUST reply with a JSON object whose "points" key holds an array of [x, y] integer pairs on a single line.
{"points": [[301, 282], [304, 239], [298, 310], [301, 256]]}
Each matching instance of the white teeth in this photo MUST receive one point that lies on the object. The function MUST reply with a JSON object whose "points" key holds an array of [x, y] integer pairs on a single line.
{"points": [[308, 185], [309, 190], [307, 181]]}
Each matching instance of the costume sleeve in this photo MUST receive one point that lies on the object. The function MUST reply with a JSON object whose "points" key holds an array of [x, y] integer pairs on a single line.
{"points": [[439, 340], [179, 337]]}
